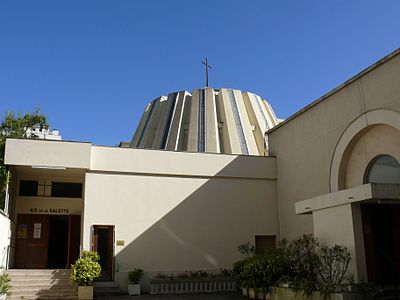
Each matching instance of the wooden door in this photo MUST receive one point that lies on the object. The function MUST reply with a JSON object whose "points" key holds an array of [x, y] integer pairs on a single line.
{"points": [[103, 243], [265, 242], [74, 239], [32, 241]]}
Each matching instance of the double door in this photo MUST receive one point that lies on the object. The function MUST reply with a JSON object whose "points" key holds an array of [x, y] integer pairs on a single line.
{"points": [[47, 241]]}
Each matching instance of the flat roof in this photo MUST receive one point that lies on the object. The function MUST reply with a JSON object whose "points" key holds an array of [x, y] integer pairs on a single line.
{"points": [[338, 88]]}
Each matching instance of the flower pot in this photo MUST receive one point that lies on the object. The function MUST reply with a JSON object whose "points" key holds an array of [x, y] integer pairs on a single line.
{"points": [[244, 292], [252, 293], [3, 296], [134, 289], [85, 292]]}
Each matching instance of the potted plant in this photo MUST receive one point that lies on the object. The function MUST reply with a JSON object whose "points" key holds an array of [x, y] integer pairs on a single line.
{"points": [[4, 285], [134, 277], [84, 271]]}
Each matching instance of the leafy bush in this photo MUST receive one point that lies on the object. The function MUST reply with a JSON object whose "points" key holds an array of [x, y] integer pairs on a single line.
{"points": [[4, 283], [260, 271], [247, 249], [86, 269], [332, 268], [238, 273], [314, 267], [135, 275], [304, 263]]}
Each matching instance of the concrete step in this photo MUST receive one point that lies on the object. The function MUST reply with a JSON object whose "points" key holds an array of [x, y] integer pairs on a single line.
{"points": [[46, 282], [35, 297], [39, 272], [41, 284], [54, 292], [104, 292]]}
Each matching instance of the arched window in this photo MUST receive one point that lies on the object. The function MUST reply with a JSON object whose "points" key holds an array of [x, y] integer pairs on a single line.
{"points": [[383, 169]]}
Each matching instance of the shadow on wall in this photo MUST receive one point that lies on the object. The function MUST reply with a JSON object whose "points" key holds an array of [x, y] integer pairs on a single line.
{"points": [[205, 229]]}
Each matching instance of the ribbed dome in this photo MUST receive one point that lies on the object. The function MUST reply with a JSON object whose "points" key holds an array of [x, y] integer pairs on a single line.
{"points": [[208, 120]]}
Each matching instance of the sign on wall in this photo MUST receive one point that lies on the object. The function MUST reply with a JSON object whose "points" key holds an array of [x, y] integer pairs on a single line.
{"points": [[22, 231], [61, 211]]}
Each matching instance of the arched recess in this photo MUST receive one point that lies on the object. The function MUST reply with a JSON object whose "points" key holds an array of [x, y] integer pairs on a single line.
{"points": [[350, 137]]}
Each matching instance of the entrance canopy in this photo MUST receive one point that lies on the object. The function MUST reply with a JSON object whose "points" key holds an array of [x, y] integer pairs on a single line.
{"points": [[370, 192], [348, 218]]}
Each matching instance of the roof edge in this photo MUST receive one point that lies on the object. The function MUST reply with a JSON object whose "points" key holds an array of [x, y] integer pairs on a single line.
{"points": [[336, 89]]}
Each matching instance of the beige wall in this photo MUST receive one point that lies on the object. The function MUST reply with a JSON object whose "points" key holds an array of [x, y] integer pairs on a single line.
{"points": [[44, 203], [175, 211], [305, 144], [44, 153], [179, 211], [347, 232]]}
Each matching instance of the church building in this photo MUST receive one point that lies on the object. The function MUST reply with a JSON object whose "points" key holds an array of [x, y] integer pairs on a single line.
{"points": [[209, 170]]}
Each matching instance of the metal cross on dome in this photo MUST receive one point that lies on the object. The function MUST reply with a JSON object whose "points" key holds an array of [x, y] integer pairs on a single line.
{"points": [[207, 67]]}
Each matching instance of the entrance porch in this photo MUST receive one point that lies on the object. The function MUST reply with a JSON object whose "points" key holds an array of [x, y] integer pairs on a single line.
{"points": [[365, 219]]}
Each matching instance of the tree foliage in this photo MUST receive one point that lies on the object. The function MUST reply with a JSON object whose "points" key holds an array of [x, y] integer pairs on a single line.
{"points": [[16, 126]]}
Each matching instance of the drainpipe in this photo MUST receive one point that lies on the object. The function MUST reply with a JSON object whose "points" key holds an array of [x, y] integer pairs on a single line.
{"points": [[7, 196]]}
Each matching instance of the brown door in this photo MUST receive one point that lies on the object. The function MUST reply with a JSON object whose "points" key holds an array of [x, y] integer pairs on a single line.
{"points": [[74, 239], [103, 243], [32, 241], [265, 242]]}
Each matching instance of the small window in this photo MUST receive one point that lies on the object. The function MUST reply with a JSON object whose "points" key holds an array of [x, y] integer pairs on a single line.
{"points": [[28, 188], [66, 189], [264, 243], [383, 169]]}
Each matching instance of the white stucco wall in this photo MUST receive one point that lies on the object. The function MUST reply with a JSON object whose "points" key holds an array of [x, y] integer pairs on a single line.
{"points": [[5, 235], [179, 211]]}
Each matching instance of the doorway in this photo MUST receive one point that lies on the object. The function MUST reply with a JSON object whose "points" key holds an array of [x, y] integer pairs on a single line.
{"points": [[103, 243], [47, 241], [57, 255], [381, 226]]}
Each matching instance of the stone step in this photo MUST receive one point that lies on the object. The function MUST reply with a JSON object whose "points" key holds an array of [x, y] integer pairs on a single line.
{"points": [[41, 284], [42, 271], [104, 292], [50, 297], [26, 272]]}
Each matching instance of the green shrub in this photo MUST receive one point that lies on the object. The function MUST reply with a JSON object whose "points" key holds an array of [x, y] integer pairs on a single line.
{"points": [[86, 269], [135, 275], [304, 263], [303, 260], [260, 271], [314, 267], [332, 268], [238, 273], [4, 283]]}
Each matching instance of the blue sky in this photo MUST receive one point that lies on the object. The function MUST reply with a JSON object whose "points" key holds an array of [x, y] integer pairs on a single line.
{"points": [[91, 66]]}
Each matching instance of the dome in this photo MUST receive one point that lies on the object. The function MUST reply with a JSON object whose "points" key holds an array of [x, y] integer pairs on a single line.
{"points": [[206, 120]]}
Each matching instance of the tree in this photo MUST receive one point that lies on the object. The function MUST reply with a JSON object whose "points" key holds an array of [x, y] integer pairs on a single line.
{"points": [[16, 126]]}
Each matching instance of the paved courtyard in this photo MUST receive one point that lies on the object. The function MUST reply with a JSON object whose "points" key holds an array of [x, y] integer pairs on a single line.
{"points": [[216, 296]]}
